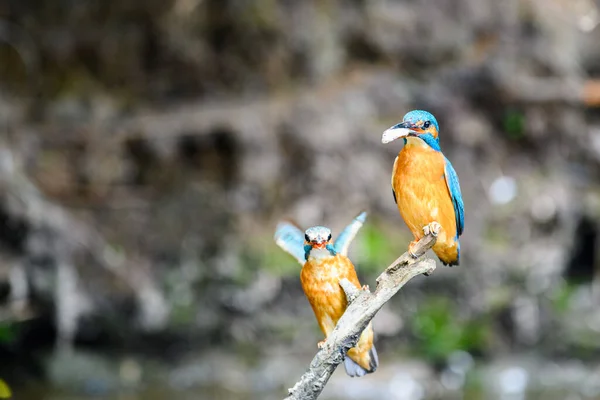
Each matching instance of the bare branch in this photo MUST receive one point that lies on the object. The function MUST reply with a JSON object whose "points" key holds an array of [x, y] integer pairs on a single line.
{"points": [[351, 291], [362, 307]]}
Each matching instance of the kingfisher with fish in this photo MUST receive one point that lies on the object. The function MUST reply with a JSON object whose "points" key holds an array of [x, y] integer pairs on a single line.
{"points": [[425, 186]]}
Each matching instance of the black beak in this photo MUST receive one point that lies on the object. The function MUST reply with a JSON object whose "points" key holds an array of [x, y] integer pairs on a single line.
{"points": [[405, 125], [403, 129]]}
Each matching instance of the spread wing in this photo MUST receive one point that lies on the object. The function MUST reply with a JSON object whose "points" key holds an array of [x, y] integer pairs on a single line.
{"points": [[457, 201], [342, 243], [291, 239]]}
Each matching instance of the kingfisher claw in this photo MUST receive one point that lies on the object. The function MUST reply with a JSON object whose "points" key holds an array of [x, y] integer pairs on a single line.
{"points": [[321, 344], [411, 246], [366, 288], [432, 229]]}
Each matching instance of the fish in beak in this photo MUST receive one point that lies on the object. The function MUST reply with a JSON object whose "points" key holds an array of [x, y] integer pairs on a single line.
{"points": [[403, 129]]}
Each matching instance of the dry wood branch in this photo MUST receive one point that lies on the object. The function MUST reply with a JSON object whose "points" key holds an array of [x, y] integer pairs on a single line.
{"points": [[361, 310]]}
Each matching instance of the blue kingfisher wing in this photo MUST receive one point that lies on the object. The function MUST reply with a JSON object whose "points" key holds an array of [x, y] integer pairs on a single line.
{"points": [[342, 243], [291, 239], [455, 195]]}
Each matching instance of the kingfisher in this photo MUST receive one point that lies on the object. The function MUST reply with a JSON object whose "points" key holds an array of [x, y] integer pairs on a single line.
{"points": [[425, 185], [324, 265]]}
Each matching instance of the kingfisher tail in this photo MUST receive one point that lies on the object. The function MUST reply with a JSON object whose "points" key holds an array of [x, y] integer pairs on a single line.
{"points": [[449, 256], [370, 359]]}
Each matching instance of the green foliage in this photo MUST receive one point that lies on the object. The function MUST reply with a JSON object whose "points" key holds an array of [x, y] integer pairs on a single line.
{"points": [[8, 332], [514, 124], [262, 251], [561, 298], [248, 352], [5, 392], [442, 331], [182, 314], [279, 263], [497, 235], [500, 297], [377, 248], [474, 388]]}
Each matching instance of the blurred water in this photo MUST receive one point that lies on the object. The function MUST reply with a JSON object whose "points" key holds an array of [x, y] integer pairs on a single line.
{"points": [[514, 378]]}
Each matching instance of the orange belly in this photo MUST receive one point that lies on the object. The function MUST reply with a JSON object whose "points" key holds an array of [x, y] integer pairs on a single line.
{"points": [[320, 282], [422, 196]]}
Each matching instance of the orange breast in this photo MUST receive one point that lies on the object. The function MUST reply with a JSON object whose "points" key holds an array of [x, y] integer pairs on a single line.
{"points": [[423, 196], [320, 282]]}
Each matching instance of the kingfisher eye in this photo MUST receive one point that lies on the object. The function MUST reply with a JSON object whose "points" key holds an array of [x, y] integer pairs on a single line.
{"points": [[426, 125], [306, 237], [329, 237]]}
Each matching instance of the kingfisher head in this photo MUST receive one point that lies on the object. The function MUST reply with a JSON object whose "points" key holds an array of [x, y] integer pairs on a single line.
{"points": [[416, 123], [317, 237]]}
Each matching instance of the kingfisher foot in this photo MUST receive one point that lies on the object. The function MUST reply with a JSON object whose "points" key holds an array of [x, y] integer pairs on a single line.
{"points": [[366, 288], [432, 229], [321, 344], [411, 251]]}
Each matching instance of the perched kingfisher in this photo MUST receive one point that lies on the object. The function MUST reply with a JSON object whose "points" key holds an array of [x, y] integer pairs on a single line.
{"points": [[425, 185], [324, 265]]}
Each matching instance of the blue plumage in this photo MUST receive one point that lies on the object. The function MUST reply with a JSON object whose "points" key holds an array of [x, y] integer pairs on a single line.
{"points": [[331, 249], [291, 239], [342, 243], [431, 141], [308, 248], [457, 201], [415, 116], [418, 116]]}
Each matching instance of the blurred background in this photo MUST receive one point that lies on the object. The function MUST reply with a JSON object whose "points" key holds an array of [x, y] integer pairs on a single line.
{"points": [[148, 149]]}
